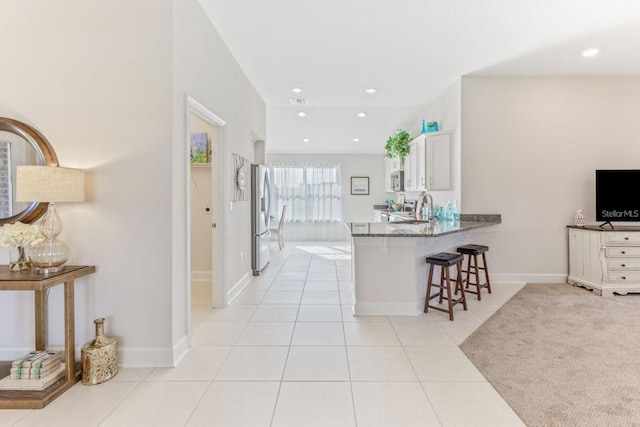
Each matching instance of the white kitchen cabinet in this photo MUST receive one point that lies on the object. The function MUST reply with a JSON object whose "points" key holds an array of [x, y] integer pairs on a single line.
{"points": [[396, 164], [391, 166], [428, 165], [410, 168], [605, 261], [387, 174], [438, 161]]}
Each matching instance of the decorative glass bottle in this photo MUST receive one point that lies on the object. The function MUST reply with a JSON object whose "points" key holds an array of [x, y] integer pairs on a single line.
{"points": [[99, 357]]}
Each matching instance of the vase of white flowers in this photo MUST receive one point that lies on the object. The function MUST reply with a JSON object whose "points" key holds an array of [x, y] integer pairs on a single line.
{"points": [[19, 237]]}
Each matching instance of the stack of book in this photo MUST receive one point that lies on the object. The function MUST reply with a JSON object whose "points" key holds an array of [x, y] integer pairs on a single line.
{"points": [[34, 371], [35, 365]]}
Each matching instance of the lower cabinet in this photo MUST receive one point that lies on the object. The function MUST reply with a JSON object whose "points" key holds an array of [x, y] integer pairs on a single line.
{"points": [[606, 261]]}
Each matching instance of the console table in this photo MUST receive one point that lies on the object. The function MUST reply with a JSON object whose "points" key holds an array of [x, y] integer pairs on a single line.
{"points": [[39, 283], [604, 259]]}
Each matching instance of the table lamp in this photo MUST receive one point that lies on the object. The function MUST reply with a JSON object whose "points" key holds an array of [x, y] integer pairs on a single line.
{"points": [[50, 184]]}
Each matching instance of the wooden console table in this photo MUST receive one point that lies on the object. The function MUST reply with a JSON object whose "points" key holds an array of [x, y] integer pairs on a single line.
{"points": [[38, 283]]}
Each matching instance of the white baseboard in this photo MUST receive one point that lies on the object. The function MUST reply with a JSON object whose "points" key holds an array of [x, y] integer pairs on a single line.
{"points": [[238, 287], [145, 357], [527, 278], [388, 309], [201, 276], [180, 350]]}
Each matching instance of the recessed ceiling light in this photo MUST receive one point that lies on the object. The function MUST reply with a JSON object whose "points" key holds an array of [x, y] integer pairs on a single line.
{"points": [[588, 53], [356, 139], [362, 114], [371, 90], [296, 90], [305, 139], [301, 114]]}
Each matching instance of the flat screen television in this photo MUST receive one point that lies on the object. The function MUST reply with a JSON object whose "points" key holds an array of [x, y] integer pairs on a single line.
{"points": [[617, 195]]}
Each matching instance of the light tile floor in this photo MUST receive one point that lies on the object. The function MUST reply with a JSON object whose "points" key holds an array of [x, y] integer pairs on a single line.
{"points": [[289, 352]]}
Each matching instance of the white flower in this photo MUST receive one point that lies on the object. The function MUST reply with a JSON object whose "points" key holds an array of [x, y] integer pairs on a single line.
{"points": [[19, 234]]}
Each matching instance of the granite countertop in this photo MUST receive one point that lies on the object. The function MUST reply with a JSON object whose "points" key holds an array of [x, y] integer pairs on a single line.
{"points": [[422, 229]]}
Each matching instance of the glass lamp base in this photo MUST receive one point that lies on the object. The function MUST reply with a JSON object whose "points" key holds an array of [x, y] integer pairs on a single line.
{"points": [[49, 256], [47, 270]]}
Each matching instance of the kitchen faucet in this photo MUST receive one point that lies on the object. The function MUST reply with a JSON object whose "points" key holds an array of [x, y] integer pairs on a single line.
{"points": [[420, 203]]}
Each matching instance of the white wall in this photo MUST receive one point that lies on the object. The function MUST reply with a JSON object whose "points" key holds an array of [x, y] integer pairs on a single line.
{"points": [[95, 79], [530, 150], [204, 68], [106, 83], [355, 207]]}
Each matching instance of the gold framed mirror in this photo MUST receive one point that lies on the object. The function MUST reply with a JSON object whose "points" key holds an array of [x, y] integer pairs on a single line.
{"points": [[20, 144]]}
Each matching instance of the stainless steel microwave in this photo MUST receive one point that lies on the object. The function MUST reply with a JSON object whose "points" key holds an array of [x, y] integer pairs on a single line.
{"points": [[397, 181]]}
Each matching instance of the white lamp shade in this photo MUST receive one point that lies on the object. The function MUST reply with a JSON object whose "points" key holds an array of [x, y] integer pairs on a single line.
{"points": [[49, 184]]}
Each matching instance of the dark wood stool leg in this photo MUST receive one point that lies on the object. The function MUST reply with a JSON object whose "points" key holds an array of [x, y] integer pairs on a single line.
{"points": [[467, 271], [441, 284], [459, 284], [486, 271], [427, 299], [447, 275], [477, 274]]}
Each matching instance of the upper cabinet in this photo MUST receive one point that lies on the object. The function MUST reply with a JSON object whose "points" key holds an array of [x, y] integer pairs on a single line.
{"points": [[428, 165], [438, 161]]}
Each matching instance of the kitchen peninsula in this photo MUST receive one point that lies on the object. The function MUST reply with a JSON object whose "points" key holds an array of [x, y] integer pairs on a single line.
{"points": [[388, 260]]}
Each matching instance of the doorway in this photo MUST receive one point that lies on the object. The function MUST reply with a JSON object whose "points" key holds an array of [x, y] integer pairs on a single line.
{"points": [[205, 217]]}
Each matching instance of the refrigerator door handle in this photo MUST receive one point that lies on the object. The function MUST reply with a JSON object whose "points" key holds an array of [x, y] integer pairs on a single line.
{"points": [[267, 190]]}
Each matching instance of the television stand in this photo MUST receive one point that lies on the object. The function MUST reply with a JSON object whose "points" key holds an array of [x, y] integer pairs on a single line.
{"points": [[610, 225], [605, 260]]}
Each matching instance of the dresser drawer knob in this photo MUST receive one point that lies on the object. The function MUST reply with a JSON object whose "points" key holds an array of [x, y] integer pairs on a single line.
{"points": [[623, 278], [626, 238], [623, 265], [623, 252]]}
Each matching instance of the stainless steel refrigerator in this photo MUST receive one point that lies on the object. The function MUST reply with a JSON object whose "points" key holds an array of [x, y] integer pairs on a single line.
{"points": [[260, 217]]}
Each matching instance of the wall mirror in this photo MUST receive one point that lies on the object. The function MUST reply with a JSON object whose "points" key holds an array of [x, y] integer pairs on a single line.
{"points": [[20, 144]]}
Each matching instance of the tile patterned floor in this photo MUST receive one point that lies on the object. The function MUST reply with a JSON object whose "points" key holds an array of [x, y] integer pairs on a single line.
{"points": [[288, 352]]}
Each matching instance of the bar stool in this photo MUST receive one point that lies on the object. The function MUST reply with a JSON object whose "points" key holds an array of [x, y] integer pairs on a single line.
{"points": [[445, 261], [472, 252]]}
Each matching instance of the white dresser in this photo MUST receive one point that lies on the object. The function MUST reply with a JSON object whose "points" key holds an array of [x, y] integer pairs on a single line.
{"points": [[605, 260]]}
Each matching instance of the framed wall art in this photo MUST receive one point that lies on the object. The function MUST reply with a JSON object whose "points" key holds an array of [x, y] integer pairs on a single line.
{"points": [[199, 148], [241, 178], [360, 185]]}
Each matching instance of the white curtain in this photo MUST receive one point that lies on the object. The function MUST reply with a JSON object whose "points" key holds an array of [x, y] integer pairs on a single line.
{"points": [[313, 195]]}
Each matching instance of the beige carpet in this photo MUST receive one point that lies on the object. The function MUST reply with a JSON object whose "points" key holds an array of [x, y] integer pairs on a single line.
{"points": [[562, 356]]}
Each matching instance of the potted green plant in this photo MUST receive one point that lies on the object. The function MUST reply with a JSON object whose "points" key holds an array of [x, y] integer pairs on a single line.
{"points": [[398, 144]]}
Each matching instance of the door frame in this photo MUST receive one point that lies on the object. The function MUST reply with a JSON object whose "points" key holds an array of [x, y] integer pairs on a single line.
{"points": [[219, 213]]}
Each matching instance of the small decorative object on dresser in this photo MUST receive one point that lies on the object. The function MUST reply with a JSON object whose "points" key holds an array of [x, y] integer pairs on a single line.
{"points": [[579, 218], [99, 357]]}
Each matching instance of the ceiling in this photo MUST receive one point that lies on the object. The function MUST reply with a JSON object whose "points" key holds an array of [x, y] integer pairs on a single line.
{"points": [[410, 50]]}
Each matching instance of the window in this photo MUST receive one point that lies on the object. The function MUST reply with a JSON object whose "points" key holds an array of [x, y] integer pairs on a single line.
{"points": [[312, 192]]}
